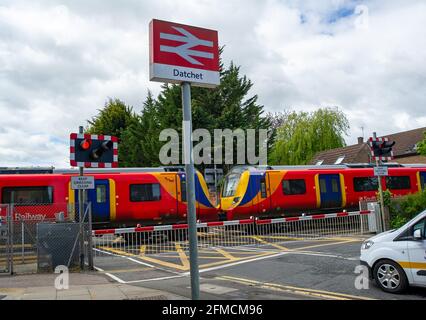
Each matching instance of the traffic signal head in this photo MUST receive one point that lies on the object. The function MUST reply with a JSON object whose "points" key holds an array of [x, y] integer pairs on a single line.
{"points": [[91, 150], [381, 148], [85, 144], [97, 153]]}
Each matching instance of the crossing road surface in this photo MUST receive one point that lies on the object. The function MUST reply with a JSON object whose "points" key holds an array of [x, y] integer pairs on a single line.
{"points": [[314, 269]]}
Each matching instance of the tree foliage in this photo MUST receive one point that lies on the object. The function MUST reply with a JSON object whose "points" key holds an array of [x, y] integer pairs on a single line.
{"points": [[113, 119], [403, 209], [421, 147], [227, 106], [303, 134]]}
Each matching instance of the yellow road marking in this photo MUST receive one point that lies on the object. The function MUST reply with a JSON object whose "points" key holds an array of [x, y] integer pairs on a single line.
{"points": [[182, 256], [271, 244], [117, 251], [295, 290], [236, 259], [164, 263], [226, 254]]}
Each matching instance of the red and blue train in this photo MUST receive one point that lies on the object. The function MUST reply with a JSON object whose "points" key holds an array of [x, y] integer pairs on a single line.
{"points": [[121, 197], [127, 197], [287, 190]]}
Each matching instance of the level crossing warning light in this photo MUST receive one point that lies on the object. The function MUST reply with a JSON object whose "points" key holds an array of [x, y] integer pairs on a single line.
{"points": [[93, 151]]}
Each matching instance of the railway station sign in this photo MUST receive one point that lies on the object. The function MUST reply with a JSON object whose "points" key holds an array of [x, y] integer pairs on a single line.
{"points": [[82, 182], [380, 171], [181, 53]]}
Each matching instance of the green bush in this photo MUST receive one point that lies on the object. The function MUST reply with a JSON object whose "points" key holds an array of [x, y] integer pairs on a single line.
{"points": [[405, 208]]}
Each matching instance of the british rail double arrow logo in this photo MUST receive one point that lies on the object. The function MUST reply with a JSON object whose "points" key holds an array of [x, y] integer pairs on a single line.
{"points": [[185, 50]]}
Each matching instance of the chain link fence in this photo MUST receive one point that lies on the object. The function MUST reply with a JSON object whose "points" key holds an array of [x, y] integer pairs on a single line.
{"points": [[5, 239], [42, 236]]}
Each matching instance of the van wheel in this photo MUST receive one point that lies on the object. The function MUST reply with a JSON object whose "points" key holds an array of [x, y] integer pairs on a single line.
{"points": [[390, 277]]}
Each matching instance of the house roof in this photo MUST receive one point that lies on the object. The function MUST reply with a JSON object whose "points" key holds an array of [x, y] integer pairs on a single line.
{"points": [[405, 144], [351, 153]]}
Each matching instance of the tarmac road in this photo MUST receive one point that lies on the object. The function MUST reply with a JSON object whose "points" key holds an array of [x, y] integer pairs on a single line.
{"points": [[288, 270]]}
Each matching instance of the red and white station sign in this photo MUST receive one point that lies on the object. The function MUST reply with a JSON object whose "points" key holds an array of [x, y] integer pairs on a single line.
{"points": [[181, 53]]}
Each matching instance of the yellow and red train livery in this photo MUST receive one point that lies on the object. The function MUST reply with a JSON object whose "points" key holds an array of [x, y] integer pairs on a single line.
{"points": [[122, 197], [287, 190]]}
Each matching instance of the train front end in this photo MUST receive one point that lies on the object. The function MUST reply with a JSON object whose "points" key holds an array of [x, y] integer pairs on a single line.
{"points": [[239, 194]]}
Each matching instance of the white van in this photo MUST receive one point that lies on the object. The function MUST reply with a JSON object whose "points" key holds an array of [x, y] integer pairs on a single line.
{"points": [[397, 258]]}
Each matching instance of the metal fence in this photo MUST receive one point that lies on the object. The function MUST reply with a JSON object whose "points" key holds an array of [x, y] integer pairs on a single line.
{"points": [[43, 236], [250, 232], [6, 263]]}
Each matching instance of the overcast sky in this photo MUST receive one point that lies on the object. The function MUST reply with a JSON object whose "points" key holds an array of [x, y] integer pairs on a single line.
{"points": [[61, 60]]}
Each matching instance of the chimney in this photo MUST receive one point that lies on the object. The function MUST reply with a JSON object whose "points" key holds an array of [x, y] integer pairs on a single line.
{"points": [[360, 140]]}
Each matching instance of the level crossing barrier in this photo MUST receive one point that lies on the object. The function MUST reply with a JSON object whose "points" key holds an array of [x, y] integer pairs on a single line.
{"points": [[249, 232]]}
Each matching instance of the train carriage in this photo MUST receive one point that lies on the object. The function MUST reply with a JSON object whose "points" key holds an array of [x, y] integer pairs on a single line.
{"points": [[121, 197], [287, 190]]}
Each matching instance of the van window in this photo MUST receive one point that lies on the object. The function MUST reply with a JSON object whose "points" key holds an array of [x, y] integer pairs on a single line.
{"points": [[408, 233], [294, 186], [398, 183], [145, 192], [26, 196], [366, 184]]}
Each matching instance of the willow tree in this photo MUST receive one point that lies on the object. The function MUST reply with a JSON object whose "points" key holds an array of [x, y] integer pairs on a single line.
{"points": [[304, 134]]}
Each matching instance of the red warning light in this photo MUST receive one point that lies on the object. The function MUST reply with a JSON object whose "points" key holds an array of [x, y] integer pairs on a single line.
{"points": [[85, 144]]}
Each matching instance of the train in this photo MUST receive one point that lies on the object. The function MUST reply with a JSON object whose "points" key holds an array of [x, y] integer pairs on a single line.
{"points": [[268, 191], [125, 197], [121, 197]]}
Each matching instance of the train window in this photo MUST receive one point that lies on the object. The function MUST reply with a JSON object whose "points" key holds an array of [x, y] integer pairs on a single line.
{"points": [[398, 183], [334, 186], [101, 193], [323, 186], [231, 184], [183, 190], [263, 188], [145, 192], [26, 196], [366, 184], [423, 181], [295, 186]]}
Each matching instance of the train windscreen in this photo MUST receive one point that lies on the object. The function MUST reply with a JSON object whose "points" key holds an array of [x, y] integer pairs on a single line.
{"points": [[230, 186]]}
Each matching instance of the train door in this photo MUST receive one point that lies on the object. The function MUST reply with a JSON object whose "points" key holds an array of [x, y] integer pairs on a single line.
{"points": [[182, 207], [423, 181], [265, 194], [100, 200], [330, 191]]}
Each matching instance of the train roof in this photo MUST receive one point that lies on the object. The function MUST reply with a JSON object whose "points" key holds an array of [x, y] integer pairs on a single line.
{"points": [[50, 170], [239, 169]]}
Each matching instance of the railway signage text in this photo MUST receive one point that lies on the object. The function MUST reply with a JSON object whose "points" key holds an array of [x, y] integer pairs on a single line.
{"points": [[380, 171], [82, 182]]}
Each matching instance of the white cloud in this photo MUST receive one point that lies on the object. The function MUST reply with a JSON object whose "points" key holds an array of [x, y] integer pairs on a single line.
{"points": [[61, 60]]}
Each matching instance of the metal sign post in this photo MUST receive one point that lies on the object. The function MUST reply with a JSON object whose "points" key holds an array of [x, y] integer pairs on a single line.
{"points": [[81, 200], [190, 191], [382, 203], [185, 55]]}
